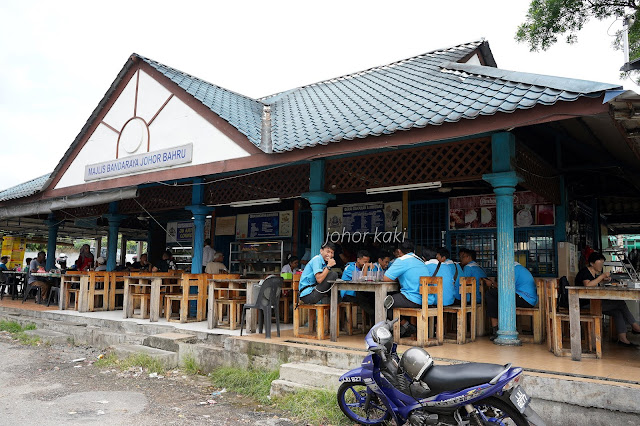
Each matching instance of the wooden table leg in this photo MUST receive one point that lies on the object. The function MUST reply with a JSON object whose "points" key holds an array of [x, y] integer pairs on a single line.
{"points": [[61, 297], [211, 319], [127, 306], [574, 326], [154, 308], [83, 294], [380, 294], [333, 315]]}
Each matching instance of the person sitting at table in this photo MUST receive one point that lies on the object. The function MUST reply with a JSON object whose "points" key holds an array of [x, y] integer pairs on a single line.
{"points": [[102, 264], [471, 269], [443, 270], [407, 268], [384, 259], [360, 298], [165, 264], [442, 256], [3, 263], [591, 276], [291, 266], [85, 260], [38, 265], [141, 265], [526, 295], [314, 282], [217, 266]]}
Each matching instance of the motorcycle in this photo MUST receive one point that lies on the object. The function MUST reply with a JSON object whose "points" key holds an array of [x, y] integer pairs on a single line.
{"points": [[412, 390]]}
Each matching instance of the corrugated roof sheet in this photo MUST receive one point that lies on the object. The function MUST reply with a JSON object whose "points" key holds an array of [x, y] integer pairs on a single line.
{"points": [[429, 89], [24, 189]]}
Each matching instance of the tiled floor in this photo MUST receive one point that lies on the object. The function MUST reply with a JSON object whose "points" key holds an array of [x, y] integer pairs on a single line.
{"points": [[618, 363]]}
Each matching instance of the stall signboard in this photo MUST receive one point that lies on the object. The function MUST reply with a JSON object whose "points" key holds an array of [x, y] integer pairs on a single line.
{"points": [[479, 211], [14, 247], [225, 225], [265, 225], [367, 218], [179, 232]]}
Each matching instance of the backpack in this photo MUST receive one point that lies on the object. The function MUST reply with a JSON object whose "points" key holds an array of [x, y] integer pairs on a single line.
{"points": [[563, 295]]}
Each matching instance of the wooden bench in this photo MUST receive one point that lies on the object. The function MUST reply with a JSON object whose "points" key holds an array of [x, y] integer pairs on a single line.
{"points": [[467, 287], [318, 315], [183, 299], [428, 285]]}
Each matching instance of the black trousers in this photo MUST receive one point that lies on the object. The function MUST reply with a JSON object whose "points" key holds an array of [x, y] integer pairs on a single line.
{"points": [[321, 290], [491, 302]]}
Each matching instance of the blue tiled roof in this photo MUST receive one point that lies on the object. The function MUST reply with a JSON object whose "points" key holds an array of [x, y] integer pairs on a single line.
{"points": [[242, 112], [24, 189], [429, 89]]}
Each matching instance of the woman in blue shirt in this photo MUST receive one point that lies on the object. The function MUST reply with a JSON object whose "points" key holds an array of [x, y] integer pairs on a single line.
{"points": [[314, 282]]}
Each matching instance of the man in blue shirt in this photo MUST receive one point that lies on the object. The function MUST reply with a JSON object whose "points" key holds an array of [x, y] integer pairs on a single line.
{"points": [[438, 269], [407, 268], [362, 299], [384, 259], [314, 282], [3, 267], [470, 269], [526, 295]]}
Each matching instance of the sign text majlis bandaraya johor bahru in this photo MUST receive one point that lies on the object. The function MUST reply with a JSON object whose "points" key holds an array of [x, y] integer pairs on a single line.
{"points": [[137, 163]]}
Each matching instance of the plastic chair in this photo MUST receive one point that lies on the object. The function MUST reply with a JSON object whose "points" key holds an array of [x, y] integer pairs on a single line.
{"points": [[268, 299]]}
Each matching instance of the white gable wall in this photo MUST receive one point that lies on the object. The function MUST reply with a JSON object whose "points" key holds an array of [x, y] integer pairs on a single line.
{"points": [[176, 125]]}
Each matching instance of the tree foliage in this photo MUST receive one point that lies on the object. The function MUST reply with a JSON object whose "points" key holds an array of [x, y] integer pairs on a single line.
{"points": [[546, 20]]}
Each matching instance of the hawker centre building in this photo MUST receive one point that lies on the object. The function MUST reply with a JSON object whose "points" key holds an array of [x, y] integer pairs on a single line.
{"points": [[444, 148]]}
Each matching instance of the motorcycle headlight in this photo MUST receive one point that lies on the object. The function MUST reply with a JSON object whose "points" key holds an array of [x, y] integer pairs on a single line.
{"points": [[383, 337]]}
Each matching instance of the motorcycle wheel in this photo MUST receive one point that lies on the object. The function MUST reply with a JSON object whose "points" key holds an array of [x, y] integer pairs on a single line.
{"points": [[351, 399], [494, 411]]}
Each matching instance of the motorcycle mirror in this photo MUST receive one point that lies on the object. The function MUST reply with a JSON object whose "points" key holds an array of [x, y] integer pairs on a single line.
{"points": [[388, 302]]}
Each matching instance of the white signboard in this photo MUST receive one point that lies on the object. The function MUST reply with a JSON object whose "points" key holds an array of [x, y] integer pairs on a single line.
{"points": [[163, 158]]}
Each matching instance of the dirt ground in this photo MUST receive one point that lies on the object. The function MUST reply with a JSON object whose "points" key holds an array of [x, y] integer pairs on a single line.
{"points": [[50, 385]]}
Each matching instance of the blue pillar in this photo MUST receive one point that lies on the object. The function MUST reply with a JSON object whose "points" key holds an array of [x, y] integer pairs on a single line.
{"points": [[318, 201], [53, 225], [200, 213], [112, 243], [504, 185]]}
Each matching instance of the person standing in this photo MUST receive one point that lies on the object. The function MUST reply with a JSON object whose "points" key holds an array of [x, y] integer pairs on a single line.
{"points": [[208, 254], [38, 265], [85, 260]]}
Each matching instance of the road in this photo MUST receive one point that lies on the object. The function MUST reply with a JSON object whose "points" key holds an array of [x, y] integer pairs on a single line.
{"points": [[46, 385]]}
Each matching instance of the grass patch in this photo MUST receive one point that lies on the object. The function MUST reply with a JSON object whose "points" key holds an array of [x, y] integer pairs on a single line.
{"points": [[190, 365], [251, 382], [316, 407], [136, 360], [18, 332]]}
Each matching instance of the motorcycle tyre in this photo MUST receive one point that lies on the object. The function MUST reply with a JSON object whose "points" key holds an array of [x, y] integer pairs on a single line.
{"points": [[506, 408], [342, 390]]}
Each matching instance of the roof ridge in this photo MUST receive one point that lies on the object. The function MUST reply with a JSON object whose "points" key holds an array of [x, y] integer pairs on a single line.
{"points": [[276, 96], [149, 60]]}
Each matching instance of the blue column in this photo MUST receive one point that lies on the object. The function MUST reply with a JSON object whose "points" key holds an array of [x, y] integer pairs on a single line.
{"points": [[112, 243], [318, 201], [53, 225], [504, 184], [200, 213]]}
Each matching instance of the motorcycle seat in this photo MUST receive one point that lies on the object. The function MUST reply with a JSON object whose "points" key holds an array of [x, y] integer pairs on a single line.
{"points": [[442, 378]]}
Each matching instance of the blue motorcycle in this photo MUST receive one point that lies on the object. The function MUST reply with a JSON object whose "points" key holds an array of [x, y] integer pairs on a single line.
{"points": [[412, 390]]}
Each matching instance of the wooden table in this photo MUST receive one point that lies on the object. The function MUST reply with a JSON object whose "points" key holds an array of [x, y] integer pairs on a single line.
{"points": [[153, 281], [239, 284], [379, 288], [596, 294]]}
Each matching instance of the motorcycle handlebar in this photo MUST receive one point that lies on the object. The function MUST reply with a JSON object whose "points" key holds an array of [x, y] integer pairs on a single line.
{"points": [[390, 323]]}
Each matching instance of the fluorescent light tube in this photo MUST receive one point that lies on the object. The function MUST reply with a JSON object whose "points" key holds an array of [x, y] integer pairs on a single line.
{"points": [[260, 202], [410, 187]]}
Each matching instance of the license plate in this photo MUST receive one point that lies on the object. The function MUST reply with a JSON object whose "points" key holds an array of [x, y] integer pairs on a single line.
{"points": [[520, 398]]}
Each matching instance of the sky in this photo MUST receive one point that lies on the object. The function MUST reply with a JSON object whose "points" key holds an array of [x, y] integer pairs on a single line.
{"points": [[57, 59]]}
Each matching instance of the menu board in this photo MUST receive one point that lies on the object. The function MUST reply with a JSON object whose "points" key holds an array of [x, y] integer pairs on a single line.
{"points": [[226, 225], [479, 211], [14, 247], [366, 217], [179, 232], [264, 225]]}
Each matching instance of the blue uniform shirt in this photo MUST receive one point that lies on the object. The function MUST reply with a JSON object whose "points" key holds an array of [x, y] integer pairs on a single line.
{"points": [[472, 270], [407, 270], [308, 278], [447, 273], [347, 275], [525, 284], [3, 267]]}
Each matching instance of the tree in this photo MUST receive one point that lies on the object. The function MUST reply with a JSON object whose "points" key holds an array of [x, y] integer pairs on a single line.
{"points": [[548, 19]]}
